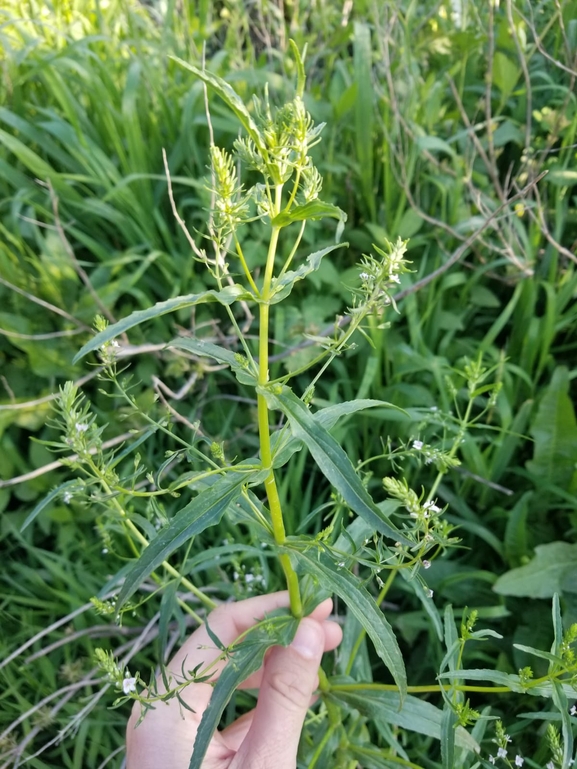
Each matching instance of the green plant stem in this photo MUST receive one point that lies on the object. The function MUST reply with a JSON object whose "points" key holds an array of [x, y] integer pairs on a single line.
{"points": [[425, 689], [321, 746], [263, 420], [456, 443], [381, 597]]}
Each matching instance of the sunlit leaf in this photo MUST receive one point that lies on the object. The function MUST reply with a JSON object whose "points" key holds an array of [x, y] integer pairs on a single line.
{"points": [[231, 98], [206, 349], [362, 605], [332, 460], [314, 209], [281, 287], [203, 511], [227, 296]]}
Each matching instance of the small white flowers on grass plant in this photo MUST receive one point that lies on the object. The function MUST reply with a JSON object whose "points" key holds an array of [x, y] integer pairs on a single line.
{"points": [[129, 685], [117, 676]]}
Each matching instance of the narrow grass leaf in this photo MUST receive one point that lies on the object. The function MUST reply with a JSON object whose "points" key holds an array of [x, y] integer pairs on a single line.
{"points": [[448, 721], [364, 117], [332, 460], [362, 605], [204, 510]]}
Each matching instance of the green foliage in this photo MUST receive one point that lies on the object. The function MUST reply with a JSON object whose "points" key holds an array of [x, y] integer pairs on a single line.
{"points": [[438, 120]]}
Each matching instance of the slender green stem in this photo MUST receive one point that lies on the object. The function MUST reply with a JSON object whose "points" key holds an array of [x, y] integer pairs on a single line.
{"points": [[263, 420], [427, 689], [382, 595], [321, 746], [454, 449], [247, 273], [290, 257]]}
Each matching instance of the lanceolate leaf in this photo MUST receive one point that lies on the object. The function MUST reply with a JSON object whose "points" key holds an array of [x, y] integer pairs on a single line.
{"points": [[348, 587], [203, 511], [231, 98], [228, 295], [332, 460], [281, 287], [54, 494], [412, 713], [221, 354], [285, 445], [315, 209], [242, 663]]}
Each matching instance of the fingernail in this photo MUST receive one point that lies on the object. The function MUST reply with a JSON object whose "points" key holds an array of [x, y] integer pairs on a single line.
{"points": [[307, 639]]}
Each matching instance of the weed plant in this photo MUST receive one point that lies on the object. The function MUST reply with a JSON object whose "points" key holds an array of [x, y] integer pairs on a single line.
{"points": [[440, 123]]}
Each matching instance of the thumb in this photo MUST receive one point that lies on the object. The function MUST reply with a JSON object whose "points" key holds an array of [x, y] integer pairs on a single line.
{"points": [[289, 680]]}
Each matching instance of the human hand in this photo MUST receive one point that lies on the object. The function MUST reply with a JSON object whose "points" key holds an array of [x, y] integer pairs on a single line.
{"points": [[265, 738]]}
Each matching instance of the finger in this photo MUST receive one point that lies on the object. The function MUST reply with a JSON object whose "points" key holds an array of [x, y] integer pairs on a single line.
{"points": [[333, 637], [289, 680], [235, 734]]}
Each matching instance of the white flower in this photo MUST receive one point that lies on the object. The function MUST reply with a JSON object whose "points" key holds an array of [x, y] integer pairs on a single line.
{"points": [[573, 711], [491, 759], [364, 276], [430, 593], [66, 497], [394, 278], [432, 507], [501, 753], [550, 765], [129, 685], [81, 427], [518, 761], [426, 564], [418, 445]]}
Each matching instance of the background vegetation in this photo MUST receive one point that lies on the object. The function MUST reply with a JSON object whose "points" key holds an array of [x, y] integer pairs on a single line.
{"points": [[442, 118]]}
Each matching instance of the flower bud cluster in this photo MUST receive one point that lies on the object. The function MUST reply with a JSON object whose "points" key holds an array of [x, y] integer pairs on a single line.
{"points": [[379, 276], [230, 204], [81, 433], [120, 678]]}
